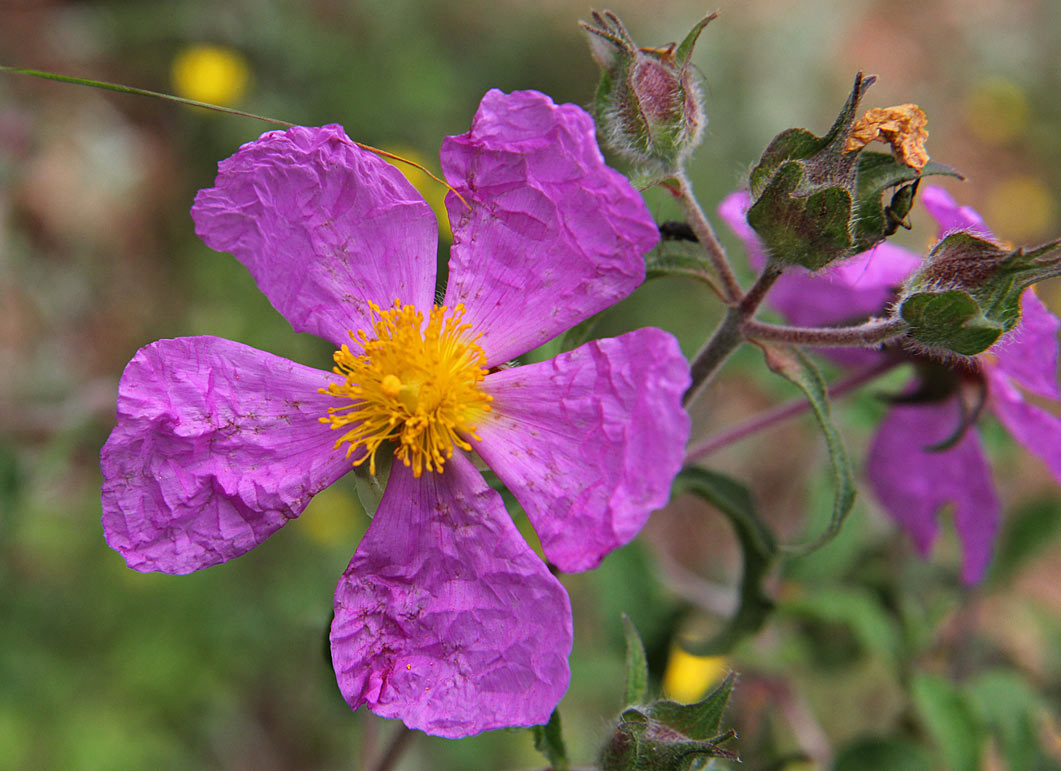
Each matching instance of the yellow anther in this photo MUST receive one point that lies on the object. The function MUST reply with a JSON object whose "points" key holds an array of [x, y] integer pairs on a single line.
{"points": [[430, 407]]}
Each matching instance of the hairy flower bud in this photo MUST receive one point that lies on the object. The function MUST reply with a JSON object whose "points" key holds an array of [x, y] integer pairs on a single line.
{"points": [[820, 199], [967, 295], [667, 736], [648, 104]]}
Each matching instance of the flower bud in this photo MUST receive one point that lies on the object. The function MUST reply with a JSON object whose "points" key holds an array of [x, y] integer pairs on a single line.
{"points": [[967, 295], [820, 199], [647, 741], [648, 105]]}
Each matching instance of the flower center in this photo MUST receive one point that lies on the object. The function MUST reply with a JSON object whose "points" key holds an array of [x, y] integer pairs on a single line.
{"points": [[413, 385]]}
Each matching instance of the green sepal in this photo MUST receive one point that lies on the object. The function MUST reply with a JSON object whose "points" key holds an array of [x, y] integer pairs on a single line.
{"points": [[877, 172], [809, 230], [758, 546], [949, 321], [369, 487], [800, 144], [814, 201], [636, 665], [647, 104], [702, 720], [642, 743], [968, 293], [797, 367], [549, 741]]}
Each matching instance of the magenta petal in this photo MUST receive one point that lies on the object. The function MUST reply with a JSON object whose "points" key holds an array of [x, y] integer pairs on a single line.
{"points": [[912, 484], [445, 617], [552, 235], [1033, 427], [323, 226], [217, 446], [951, 217], [590, 441], [1028, 354]]}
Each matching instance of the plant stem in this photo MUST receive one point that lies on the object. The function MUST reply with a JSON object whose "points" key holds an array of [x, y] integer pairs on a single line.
{"points": [[728, 335], [782, 412], [870, 333], [394, 750], [683, 191]]}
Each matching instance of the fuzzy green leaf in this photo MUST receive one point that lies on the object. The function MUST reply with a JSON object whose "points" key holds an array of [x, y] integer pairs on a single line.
{"points": [[796, 367], [636, 665]]}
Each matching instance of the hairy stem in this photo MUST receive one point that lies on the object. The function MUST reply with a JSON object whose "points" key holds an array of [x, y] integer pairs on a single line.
{"points": [[870, 333], [682, 189], [729, 333]]}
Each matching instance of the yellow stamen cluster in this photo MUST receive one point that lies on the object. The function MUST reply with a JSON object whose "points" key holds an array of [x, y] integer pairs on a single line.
{"points": [[902, 126], [412, 385]]}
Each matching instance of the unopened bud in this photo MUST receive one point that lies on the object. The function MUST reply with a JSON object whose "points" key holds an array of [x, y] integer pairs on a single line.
{"points": [[967, 295], [648, 104], [820, 199]]}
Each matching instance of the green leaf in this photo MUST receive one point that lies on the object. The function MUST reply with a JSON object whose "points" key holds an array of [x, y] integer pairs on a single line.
{"points": [[674, 258], [1011, 707], [1025, 534], [701, 720], [796, 367], [856, 608], [950, 320], [949, 719], [882, 754], [549, 741], [759, 549], [636, 665]]}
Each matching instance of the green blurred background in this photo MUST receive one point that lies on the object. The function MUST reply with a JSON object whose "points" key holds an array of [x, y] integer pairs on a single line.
{"points": [[104, 668]]}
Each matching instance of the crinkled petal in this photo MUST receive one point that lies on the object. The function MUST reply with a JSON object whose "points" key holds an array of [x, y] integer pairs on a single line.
{"points": [[323, 226], [1033, 427], [913, 484], [1028, 354], [552, 235], [951, 217], [445, 618], [217, 446], [590, 441]]}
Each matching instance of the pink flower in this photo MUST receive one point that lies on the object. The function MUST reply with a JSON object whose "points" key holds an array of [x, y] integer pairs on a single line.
{"points": [[912, 481], [445, 618]]}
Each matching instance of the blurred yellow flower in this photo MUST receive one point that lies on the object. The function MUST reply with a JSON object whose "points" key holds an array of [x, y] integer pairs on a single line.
{"points": [[433, 192], [210, 73], [1021, 208], [688, 677], [997, 111]]}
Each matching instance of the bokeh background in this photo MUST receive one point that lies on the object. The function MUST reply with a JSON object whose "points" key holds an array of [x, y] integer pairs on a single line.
{"points": [[104, 668]]}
